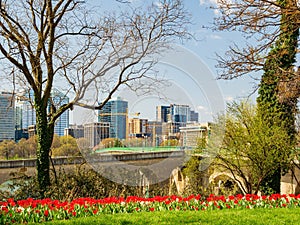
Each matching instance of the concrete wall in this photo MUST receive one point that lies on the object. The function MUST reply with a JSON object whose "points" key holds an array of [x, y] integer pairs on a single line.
{"points": [[32, 162], [290, 182]]}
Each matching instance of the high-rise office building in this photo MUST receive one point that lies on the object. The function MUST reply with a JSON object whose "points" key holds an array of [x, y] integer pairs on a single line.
{"points": [[194, 116], [7, 116], [59, 99], [155, 129], [180, 113], [162, 113], [173, 117], [175, 113], [26, 116], [116, 113], [137, 126]]}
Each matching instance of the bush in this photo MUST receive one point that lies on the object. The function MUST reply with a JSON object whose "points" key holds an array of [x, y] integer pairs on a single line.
{"points": [[81, 181]]}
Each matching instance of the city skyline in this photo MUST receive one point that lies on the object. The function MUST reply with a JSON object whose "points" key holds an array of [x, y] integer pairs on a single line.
{"points": [[93, 115], [115, 114], [18, 117]]}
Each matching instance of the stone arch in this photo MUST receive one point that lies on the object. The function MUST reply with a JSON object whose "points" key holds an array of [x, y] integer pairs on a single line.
{"points": [[240, 181], [178, 179]]}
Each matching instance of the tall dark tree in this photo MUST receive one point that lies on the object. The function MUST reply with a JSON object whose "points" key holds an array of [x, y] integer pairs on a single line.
{"points": [[65, 44], [273, 103]]}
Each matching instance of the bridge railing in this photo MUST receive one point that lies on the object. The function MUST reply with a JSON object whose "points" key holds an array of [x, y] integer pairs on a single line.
{"points": [[64, 160], [97, 158], [139, 149]]}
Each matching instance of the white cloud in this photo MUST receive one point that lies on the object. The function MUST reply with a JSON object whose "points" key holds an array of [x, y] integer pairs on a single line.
{"points": [[228, 98], [201, 108], [215, 37], [214, 3], [202, 2]]}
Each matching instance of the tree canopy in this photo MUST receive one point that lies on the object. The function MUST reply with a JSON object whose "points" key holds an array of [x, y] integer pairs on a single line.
{"points": [[251, 150]]}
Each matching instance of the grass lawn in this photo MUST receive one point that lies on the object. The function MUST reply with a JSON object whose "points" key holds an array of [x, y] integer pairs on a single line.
{"points": [[217, 217]]}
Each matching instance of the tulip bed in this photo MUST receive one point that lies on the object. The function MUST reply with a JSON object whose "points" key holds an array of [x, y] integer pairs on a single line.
{"points": [[31, 210]]}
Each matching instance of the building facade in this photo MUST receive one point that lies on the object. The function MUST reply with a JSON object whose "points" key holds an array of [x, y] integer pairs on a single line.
{"points": [[115, 112], [154, 128], [137, 126], [75, 131], [26, 116], [162, 113], [94, 133], [58, 99], [180, 113], [7, 116], [194, 116], [193, 134]]}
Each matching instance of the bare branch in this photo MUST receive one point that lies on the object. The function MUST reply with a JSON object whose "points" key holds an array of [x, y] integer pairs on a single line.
{"points": [[258, 21]]}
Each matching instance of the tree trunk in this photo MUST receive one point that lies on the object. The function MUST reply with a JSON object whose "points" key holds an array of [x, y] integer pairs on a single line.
{"points": [[44, 141]]}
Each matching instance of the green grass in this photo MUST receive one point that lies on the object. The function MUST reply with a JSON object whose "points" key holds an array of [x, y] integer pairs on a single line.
{"points": [[216, 217]]}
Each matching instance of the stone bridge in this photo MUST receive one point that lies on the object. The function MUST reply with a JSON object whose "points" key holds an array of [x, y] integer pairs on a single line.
{"points": [[166, 159], [290, 183]]}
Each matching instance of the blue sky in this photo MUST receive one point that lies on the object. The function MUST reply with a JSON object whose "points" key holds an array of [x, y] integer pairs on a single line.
{"points": [[184, 90]]}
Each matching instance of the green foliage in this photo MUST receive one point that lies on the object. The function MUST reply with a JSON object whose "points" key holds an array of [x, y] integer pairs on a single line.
{"points": [[64, 146], [135, 142], [79, 181], [278, 70], [61, 146], [172, 142], [251, 150], [201, 145], [7, 149], [118, 143], [195, 176], [110, 143]]}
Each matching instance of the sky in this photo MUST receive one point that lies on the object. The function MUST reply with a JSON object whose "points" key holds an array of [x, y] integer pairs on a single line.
{"points": [[192, 71]]}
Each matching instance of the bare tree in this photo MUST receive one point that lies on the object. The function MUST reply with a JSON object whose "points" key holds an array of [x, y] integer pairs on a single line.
{"points": [[63, 44], [259, 22]]}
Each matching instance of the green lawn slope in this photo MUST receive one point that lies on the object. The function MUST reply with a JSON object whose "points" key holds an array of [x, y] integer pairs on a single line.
{"points": [[217, 217]]}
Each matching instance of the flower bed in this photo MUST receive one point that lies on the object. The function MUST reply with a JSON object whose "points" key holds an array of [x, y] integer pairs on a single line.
{"points": [[31, 210]]}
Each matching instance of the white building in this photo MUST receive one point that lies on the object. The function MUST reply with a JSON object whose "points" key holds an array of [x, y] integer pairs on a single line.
{"points": [[95, 132]]}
